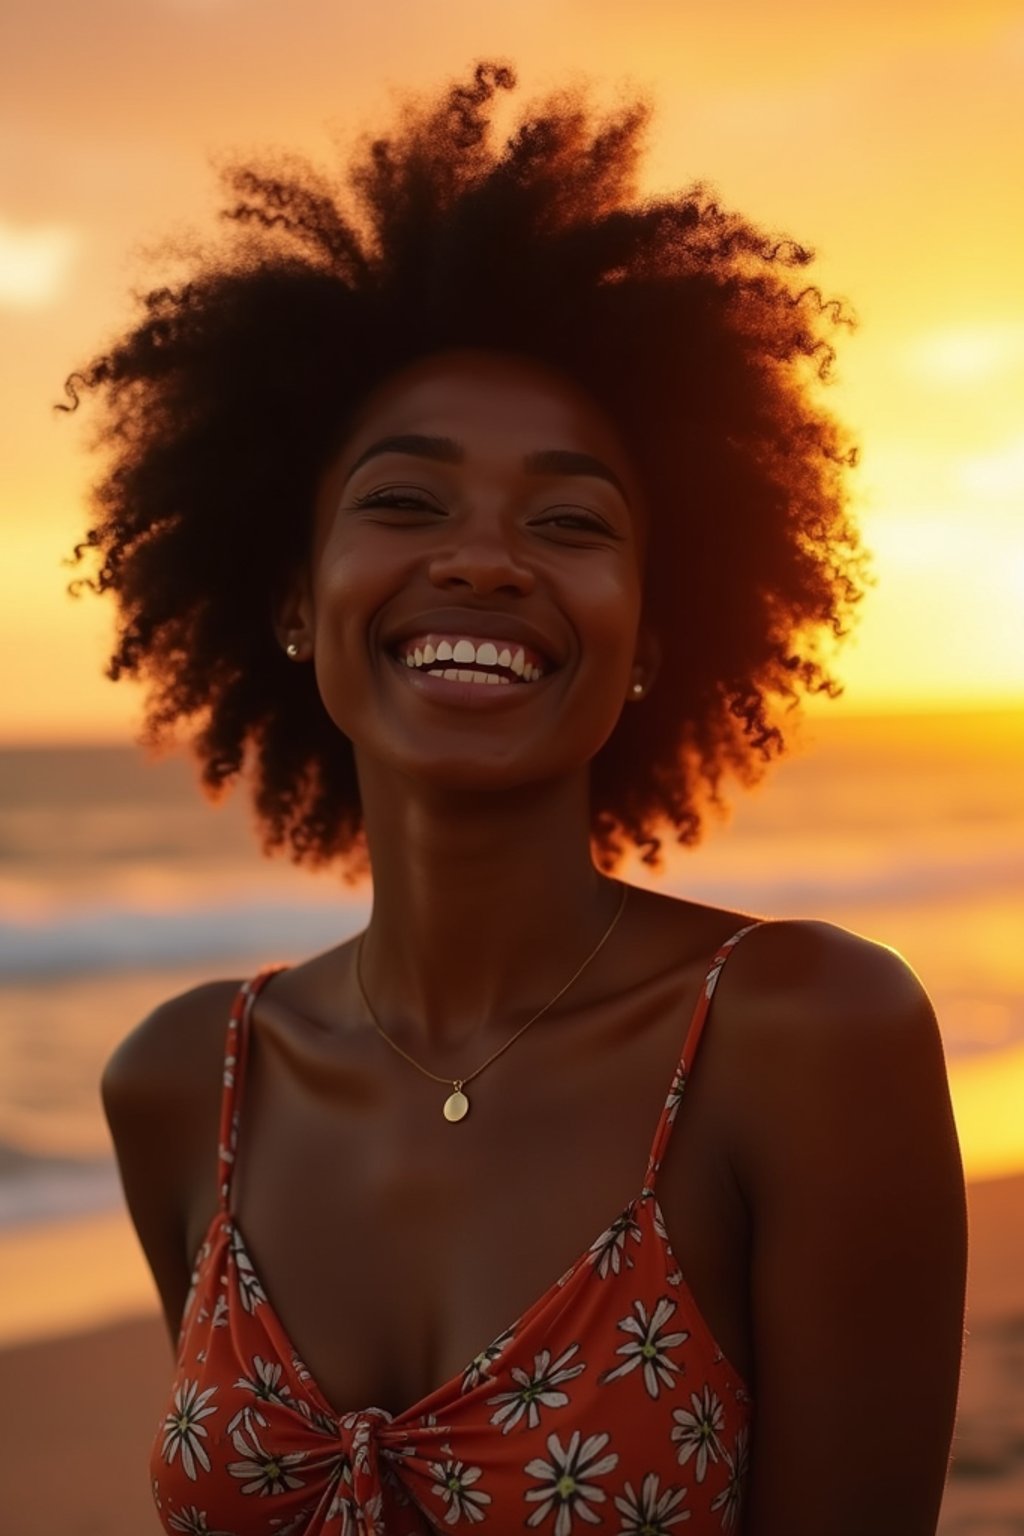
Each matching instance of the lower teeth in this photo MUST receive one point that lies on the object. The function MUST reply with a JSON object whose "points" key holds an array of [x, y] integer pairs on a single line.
{"points": [[458, 675]]}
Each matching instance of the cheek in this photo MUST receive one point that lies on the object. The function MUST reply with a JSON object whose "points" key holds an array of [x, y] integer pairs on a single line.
{"points": [[607, 627], [347, 594]]}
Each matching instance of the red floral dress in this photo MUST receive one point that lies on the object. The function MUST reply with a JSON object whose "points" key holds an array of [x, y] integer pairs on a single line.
{"points": [[606, 1404]]}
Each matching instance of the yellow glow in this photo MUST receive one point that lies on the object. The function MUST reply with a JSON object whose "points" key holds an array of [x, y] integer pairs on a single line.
{"points": [[988, 1094], [34, 263], [894, 152], [998, 475], [968, 354]]}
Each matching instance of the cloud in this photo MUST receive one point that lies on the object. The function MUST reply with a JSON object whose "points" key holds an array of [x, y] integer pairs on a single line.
{"points": [[998, 475], [967, 354], [35, 264]]}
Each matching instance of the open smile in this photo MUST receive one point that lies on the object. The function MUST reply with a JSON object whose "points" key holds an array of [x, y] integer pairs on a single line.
{"points": [[468, 669], [472, 659]]}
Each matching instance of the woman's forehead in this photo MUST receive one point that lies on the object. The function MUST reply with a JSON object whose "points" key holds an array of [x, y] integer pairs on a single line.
{"points": [[488, 399], [475, 383]]}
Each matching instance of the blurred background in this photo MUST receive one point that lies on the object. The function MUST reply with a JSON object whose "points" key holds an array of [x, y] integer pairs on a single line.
{"points": [[887, 137]]}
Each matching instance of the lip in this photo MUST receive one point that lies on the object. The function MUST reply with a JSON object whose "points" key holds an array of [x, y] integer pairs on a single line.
{"points": [[484, 623]]}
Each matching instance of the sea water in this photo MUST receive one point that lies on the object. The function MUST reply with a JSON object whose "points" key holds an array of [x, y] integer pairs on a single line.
{"points": [[120, 884]]}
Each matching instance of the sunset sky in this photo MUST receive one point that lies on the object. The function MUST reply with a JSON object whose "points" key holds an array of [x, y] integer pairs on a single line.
{"points": [[888, 137]]}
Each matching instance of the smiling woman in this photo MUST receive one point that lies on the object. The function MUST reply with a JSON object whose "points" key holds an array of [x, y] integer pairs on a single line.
{"points": [[484, 525]]}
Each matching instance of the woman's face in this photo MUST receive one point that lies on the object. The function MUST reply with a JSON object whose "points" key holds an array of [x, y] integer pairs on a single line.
{"points": [[473, 599]]}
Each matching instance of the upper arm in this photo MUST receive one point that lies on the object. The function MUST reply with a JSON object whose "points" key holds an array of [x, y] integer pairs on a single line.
{"points": [[849, 1157], [161, 1093]]}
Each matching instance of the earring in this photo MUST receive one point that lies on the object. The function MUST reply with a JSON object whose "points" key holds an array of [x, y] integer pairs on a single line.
{"points": [[291, 649], [638, 688]]}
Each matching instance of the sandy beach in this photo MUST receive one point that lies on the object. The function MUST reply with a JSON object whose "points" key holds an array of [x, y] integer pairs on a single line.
{"points": [[78, 1410]]}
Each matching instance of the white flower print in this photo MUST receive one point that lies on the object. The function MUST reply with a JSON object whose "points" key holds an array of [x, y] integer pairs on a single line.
{"points": [[532, 1392], [266, 1472], [340, 1479], [675, 1092], [566, 1485], [342, 1507], [248, 1415], [608, 1252], [250, 1289], [430, 1421], [453, 1481], [700, 1431], [197, 1269], [358, 1519], [731, 1496], [314, 1417], [184, 1431], [648, 1514], [220, 1312], [649, 1347], [298, 1522], [231, 1059], [192, 1521], [711, 980], [264, 1382], [362, 1422], [479, 1367]]}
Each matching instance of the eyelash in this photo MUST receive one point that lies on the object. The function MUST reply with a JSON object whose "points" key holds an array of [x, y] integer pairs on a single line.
{"points": [[414, 503]]}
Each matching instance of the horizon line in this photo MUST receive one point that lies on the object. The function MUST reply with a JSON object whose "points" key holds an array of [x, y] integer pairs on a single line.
{"points": [[810, 710]]}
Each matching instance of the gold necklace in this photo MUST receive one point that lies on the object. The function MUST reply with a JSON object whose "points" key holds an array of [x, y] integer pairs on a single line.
{"points": [[456, 1105]]}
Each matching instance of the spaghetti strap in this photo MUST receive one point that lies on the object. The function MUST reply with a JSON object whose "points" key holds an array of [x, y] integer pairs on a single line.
{"points": [[236, 1050], [691, 1043]]}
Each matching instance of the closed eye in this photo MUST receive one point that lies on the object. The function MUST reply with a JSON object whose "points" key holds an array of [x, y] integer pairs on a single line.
{"points": [[570, 521], [398, 499], [587, 522]]}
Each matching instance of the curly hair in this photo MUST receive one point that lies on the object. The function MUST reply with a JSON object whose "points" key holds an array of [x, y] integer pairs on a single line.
{"points": [[230, 394]]}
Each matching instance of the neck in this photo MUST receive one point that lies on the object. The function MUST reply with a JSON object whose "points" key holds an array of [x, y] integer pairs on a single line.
{"points": [[483, 907]]}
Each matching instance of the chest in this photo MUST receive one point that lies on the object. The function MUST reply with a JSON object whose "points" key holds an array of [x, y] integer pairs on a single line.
{"points": [[394, 1246]]}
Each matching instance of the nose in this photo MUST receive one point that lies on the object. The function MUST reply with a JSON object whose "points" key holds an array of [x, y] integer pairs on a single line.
{"points": [[483, 561]]}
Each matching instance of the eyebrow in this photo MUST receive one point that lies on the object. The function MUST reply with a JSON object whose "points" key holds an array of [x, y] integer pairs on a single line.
{"points": [[558, 461]]}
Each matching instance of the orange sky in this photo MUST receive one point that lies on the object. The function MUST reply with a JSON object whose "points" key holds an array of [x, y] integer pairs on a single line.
{"points": [[890, 137]]}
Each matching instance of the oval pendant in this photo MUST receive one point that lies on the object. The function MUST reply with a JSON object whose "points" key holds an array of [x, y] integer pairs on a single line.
{"points": [[456, 1106]]}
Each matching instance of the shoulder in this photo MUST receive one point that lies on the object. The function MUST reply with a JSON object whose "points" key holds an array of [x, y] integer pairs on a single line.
{"points": [[164, 1056], [843, 1142], [820, 1022], [817, 990], [161, 1092]]}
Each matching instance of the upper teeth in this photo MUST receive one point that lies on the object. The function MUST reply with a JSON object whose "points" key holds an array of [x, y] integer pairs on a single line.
{"points": [[466, 653]]}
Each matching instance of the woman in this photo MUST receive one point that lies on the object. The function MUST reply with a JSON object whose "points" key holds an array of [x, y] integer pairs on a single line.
{"points": [[484, 526]]}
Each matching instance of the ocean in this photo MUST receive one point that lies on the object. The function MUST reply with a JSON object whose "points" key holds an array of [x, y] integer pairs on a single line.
{"points": [[121, 884]]}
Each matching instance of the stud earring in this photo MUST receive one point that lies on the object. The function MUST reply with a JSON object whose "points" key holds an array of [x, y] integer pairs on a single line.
{"points": [[291, 649], [638, 688]]}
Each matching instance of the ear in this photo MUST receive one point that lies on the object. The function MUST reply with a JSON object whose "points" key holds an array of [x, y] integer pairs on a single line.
{"points": [[646, 661], [292, 616]]}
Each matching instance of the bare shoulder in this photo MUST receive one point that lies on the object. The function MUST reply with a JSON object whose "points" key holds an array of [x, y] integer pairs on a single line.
{"points": [[162, 1061], [844, 1145], [826, 1029], [826, 973], [161, 1091]]}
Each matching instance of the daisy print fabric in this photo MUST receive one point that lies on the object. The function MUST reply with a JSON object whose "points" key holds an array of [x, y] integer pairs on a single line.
{"points": [[607, 1405]]}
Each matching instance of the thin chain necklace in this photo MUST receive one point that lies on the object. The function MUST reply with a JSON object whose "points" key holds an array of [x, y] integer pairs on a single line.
{"points": [[456, 1105]]}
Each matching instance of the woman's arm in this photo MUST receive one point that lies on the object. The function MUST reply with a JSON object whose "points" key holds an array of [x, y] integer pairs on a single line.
{"points": [[161, 1096], [848, 1155]]}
